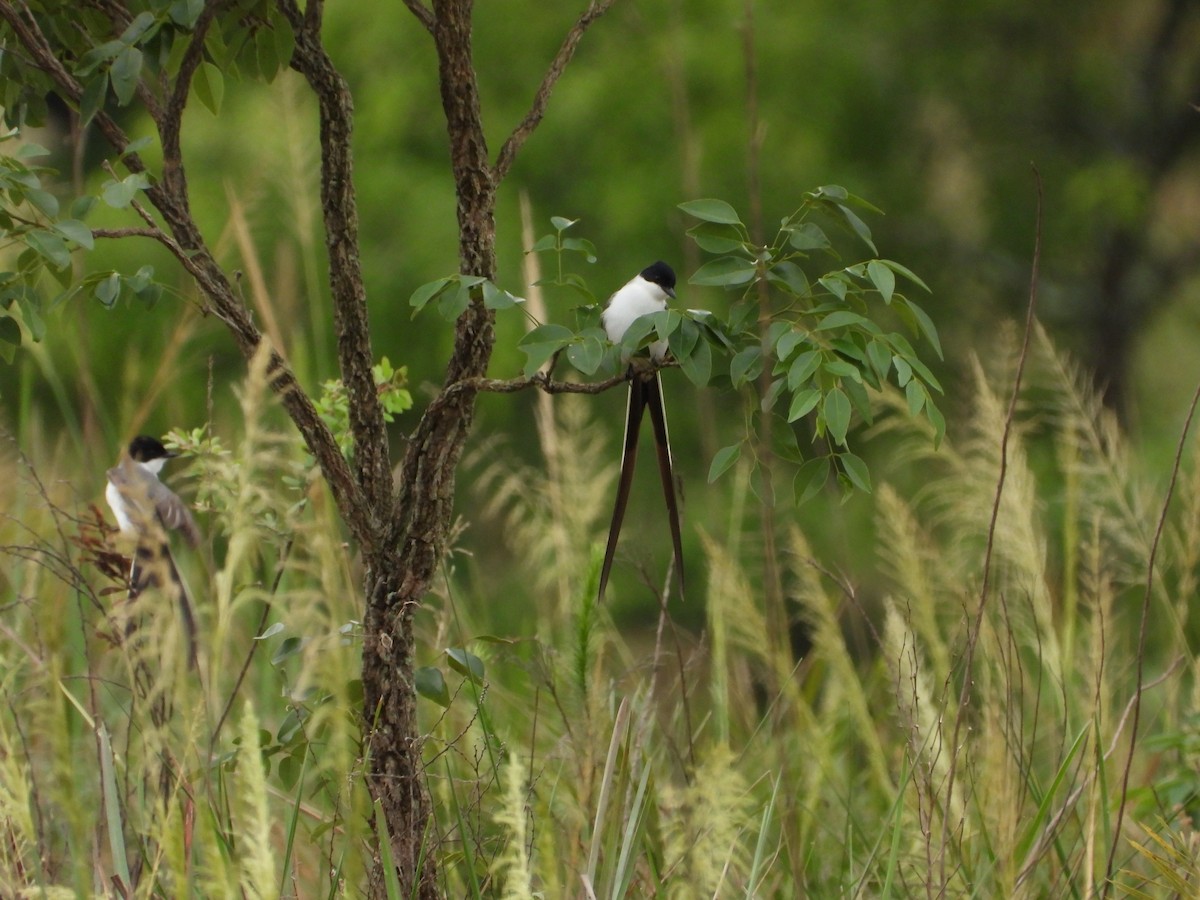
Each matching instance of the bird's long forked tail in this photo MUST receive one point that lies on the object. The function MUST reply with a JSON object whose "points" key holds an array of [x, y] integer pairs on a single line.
{"points": [[154, 569], [644, 391]]}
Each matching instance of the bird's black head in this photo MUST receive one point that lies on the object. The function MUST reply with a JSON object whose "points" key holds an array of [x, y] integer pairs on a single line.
{"points": [[144, 448], [661, 274]]}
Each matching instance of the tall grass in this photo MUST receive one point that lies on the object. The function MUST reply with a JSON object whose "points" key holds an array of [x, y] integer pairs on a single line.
{"points": [[571, 758]]}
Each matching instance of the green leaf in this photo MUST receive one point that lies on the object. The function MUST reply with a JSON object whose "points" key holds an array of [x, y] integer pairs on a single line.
{"points": [[711, 211], [465, 663], [803, 403], [579, 245], [724, 272], [32, 316], [430, 683], [835, 284], [883, 278], [209, 85], [186, 12], [809, 236], [683, 340], [836, 412], [832, 192], [745, 366], [454, 302], [803, 368], [789, 341], [637, 332], [697, 365], [666, 322], [119, 194], [497, 298], [265, 56], [141, 24], [905, 272], [842, 318], [542, 343], [880, 357], [859, 226], [288, 648], [937, 420], [10, 337], [840, 368], [43, 200], [791, 277], [75, 231], [724, 458], [773, 392], [50, 247], [561, 224], [586, 355], [856, 471], [108, 290], [926, 325], [285, 39], [916, 396], [125, 72], [427, 292], [716, 237], [903, 370], [810, 479]]}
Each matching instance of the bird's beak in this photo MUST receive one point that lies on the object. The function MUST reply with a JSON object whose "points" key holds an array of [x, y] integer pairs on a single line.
{"points": [[670, 292]]}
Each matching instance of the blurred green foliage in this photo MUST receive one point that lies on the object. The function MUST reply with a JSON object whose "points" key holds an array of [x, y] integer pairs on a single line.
{"points": [[932, 111]]}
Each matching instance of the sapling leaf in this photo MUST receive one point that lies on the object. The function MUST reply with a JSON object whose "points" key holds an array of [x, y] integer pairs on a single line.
{"points": [[724, 458]]}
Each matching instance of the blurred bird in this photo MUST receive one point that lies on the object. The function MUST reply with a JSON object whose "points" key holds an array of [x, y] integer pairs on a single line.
{"points": [[146, 509], [646, 293]]}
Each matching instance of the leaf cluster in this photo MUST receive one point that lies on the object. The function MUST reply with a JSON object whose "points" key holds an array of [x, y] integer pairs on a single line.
{"points": [[815, 342], [391, 385]]}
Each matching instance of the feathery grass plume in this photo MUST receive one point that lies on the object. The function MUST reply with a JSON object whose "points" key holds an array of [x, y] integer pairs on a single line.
{"points": [[918, 575], [551, 515], [845, 695], [739, 642], [1173, 855], [706, 843], [251, 813], [921, 718], [1117, 499], [512, 864], [20, 848], [1019, 551]]}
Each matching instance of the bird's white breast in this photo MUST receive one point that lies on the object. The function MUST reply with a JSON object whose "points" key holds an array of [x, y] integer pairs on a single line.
{"points": [[117, 504], [637, 298]]}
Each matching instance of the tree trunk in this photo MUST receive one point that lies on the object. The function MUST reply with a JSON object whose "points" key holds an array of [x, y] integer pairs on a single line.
{"points": [[404, 562], [395, 772]]}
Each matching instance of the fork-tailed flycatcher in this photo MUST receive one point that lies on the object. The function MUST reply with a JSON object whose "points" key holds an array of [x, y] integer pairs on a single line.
{"points": [[146, 509], [646, 293]]}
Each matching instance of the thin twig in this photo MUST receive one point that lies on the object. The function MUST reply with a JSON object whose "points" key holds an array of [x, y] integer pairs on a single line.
{"points": [[508, 152], [1142, 629]]}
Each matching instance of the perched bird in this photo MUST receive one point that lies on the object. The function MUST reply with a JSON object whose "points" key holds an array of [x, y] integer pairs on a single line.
{"points": [[146, 509], [648, 292]]}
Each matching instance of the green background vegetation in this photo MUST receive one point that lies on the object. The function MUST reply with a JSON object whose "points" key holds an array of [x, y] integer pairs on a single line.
{"points": [[807, 755]]}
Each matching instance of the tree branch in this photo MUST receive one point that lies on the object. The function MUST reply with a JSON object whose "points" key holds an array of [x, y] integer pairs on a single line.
{"points": [[508, 152], [422, 12], [340, 212], [189, 248]]}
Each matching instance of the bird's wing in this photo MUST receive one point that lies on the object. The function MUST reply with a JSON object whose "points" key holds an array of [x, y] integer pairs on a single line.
{"points": [[662, 446], [174, 514], [633, 420]]}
